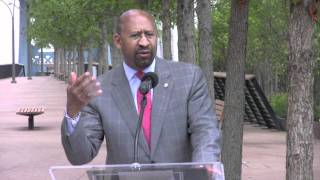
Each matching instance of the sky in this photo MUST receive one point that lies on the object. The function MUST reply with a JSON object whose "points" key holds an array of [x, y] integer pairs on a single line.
{"points": [[5, 32]]}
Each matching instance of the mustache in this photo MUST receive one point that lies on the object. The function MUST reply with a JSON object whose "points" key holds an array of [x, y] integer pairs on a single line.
{"points": [[144, 49]]}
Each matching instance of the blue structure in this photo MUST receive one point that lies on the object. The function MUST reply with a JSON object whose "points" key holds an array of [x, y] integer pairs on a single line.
{"points": [[23, 46]]}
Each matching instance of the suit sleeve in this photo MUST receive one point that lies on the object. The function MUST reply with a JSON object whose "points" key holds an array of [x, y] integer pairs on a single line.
{"points": [[84, 143], [203, 125]]}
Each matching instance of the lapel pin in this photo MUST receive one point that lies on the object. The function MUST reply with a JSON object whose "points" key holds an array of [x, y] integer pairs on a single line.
{"points": [[165, 85]]}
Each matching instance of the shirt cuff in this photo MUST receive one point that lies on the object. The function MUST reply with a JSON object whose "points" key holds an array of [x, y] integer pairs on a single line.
{"points": [[72, 122]]}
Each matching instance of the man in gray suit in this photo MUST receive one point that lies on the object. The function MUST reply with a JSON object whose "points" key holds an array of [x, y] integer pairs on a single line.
{"points": [[184, 127]]}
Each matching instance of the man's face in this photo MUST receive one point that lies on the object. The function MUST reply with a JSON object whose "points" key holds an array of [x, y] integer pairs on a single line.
{"points": [[137, 41]]}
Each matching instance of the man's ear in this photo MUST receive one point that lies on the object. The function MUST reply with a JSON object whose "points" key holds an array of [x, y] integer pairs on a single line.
{"points": [[117, 40]]}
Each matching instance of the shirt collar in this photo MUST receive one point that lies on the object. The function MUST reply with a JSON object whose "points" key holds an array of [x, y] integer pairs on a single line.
{"points": [[130, 72]]}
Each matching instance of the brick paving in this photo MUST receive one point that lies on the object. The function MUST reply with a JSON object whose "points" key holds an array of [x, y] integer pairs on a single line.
{"points": [[28, 154]]}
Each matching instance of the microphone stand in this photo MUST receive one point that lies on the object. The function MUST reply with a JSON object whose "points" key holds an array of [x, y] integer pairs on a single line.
{"points": [[143, 104]]}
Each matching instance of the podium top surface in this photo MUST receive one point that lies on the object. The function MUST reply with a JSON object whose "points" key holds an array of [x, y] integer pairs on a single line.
{"points": [[157, 171]]}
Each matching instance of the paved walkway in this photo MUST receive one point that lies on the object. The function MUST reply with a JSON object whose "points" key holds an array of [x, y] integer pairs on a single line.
{"points": [[26, 154]]}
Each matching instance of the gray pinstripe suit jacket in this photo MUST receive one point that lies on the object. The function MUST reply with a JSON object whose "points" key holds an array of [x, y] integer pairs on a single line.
{"points": [[184, 126]]}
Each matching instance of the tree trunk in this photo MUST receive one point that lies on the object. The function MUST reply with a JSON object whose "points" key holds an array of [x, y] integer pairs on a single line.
{"points": [[116, 55], [70, 56], [80, 60], [30, 59], [234, 90], [102, 58], [115, 52], [166, 29], [317, 83], [300, 95], [205, 42], [74, 60], [263, 71], [90, 56], [65, 59], [62, 60], [185, 24], [57, 60], [317, 88], [102, 46], [41, 60]]}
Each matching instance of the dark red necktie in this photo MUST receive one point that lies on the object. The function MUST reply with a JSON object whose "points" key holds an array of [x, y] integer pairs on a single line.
{"points": [[146, 123]]}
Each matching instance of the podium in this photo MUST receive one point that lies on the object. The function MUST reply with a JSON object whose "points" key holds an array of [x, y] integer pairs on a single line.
{"points": [[135, 171]]}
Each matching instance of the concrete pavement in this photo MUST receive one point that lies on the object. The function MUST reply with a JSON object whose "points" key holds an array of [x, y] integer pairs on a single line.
{"points": [[28, 154]]}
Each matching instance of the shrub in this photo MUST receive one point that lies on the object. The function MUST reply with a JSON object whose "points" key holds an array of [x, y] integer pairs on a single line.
{"points": [[279, 103]]}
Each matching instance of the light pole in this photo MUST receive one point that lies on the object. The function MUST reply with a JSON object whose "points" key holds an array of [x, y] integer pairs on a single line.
{"points": [[12, 29]]}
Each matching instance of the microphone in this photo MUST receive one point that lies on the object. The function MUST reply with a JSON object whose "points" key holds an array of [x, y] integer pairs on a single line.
{"points": [[148, 81]]}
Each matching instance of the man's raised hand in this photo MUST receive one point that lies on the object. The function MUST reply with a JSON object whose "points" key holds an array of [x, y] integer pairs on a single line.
{"points": [[80, 91]]}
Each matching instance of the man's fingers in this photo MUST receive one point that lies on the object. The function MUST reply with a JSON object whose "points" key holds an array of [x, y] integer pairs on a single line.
{"points": [[80, 91], [94, 90], [88, 88], [82, 78], [73, 78], [83, 84]]}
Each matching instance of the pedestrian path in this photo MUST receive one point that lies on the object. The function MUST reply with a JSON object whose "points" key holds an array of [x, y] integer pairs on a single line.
{"points": [[28, 154]]}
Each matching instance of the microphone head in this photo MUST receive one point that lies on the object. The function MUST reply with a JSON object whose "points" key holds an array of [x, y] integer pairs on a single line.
{"points": [[151, 76], [148, 81]]}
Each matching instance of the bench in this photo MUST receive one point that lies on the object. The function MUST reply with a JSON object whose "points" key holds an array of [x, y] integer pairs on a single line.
{"points": [[219, 110], [30, 112]]}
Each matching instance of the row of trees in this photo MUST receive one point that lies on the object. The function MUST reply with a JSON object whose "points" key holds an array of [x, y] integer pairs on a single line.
{"points": [[268, 47]]}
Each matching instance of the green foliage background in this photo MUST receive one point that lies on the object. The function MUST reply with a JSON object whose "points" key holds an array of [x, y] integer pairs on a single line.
{"points": [[279, 103]]}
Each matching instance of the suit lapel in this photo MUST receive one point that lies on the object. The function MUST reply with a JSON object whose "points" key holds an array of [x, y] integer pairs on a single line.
{"points": [[161, 96], [123, 98]]}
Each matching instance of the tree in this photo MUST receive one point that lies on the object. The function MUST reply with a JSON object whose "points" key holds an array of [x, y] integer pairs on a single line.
{"points": [[267, 47], [205, 42], [267, 54], [185, 24], [102, 46], [166, 29], [221, 17], [234, 90], [90, 55], [300, 96], [117, 57]]}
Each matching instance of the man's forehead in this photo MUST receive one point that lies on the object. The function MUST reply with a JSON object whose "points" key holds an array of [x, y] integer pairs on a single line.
{"points": [[140, 28], [137, 19], [138, 24]]}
